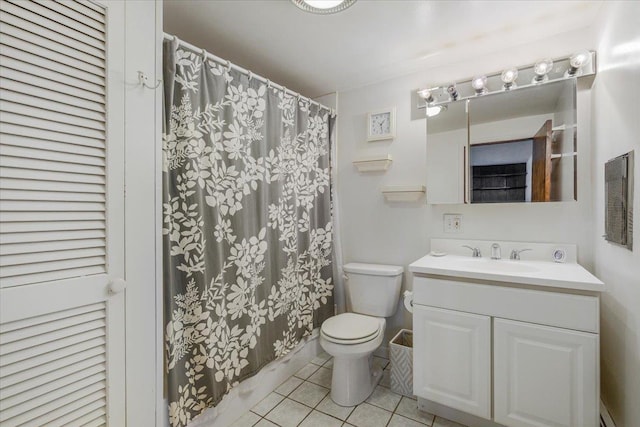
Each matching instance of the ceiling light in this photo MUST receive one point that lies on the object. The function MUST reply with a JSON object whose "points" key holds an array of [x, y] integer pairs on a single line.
{"points": [[509, 77], [435, 110], [541, 69], [577, 62], [479, 84], [452, 91], [426, 95], [324, 7]]}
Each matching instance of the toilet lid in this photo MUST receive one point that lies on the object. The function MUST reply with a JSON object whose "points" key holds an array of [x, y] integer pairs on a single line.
{"points": [[350, 326]]}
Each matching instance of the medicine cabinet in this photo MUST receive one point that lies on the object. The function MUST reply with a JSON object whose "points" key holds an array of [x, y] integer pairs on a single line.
{"points": [[513, 146]]}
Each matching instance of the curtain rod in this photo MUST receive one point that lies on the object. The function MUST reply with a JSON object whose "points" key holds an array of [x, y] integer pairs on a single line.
{"points": [[245, 71]]}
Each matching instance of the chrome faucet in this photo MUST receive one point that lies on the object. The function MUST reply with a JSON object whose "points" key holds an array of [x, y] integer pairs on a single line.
{"points": [[476, 252], [515, 254], [495, 251]]}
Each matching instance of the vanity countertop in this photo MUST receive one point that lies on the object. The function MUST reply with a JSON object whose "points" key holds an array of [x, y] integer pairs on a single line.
{"points": [[538, 273]]}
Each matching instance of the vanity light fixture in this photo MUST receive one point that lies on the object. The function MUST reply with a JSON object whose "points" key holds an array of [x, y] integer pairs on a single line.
{"points": [[509, 77], [452, 91], [578, 65], [577, 62], [479, 84], [323, 7], [541, 69]]}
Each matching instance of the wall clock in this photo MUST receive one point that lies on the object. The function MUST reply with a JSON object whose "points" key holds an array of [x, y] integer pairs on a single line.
{"points": [[381, 124]]}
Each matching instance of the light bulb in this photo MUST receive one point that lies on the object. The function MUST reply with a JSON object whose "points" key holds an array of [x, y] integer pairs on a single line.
{"points": [[577, 62], [324, 4], [434, 111], [580, 59], [541, 69], [452, 91], [509, 77], [479, 84], [426, 95]]}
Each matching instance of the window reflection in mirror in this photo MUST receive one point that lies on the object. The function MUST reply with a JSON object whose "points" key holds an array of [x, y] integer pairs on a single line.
{"points": [[523, 145]]}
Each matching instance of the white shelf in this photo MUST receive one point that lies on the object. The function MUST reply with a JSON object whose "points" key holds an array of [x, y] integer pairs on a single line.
{"points": [[403, 193], [563, 127], [373, 163], [559, 155]]}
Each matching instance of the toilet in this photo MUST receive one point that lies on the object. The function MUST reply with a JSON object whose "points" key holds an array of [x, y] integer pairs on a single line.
{"points": [[372, 292]]}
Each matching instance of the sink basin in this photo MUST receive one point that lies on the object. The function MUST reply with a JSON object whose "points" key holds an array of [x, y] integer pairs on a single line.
{"points": [[448, 259], [497, 266]]}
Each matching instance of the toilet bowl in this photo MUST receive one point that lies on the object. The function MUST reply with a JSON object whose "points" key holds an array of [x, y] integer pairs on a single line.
{"points": [[353, 377], [351, 338]]}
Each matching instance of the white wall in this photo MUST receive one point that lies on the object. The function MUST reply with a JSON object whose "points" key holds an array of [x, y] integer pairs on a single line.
{"points": [[144, 357], [616, 130], [375, 231]]}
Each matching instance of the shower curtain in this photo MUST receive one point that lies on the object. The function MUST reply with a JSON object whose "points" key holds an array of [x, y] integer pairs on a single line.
{"points": [[247, 226]]}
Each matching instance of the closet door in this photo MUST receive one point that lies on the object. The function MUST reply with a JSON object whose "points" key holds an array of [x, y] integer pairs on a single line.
{"points": [[61, 213]]}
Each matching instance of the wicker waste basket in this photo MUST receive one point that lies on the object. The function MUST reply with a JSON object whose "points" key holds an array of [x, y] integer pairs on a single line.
{"points": [[401, 352]]}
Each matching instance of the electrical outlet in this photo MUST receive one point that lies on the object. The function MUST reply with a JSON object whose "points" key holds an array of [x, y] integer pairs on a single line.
{"points": [[452, 223]]}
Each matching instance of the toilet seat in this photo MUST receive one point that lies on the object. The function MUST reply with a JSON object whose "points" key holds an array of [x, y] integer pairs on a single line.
{"points": [[351, 328]]}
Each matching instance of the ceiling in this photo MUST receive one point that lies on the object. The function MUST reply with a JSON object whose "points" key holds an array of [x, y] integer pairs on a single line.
{"points": [[371, 41]]}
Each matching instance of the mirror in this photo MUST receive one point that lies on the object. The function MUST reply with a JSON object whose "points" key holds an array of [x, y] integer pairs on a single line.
{"points": [[505, 147]]}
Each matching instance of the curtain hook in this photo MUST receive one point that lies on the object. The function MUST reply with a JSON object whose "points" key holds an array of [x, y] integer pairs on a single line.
{"points": [[268, 84], [143, 80], [228, 66], [250, 75]]}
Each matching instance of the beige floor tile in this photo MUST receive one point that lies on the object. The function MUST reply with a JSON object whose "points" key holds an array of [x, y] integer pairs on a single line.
{"points": [[306, 371], [265, 423], [329, 363], [386, 379], [247, 420], [288, 413], [400, 421], [309, 393], [328, 406], [321, 359], [288, 386], [366, 415], [322, 377], [267, 404], [409, 408], [384, 398], [441, 422], [318, 419], [380, 362]]}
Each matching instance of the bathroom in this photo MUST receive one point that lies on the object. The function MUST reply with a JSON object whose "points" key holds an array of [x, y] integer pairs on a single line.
{"points": [[371, 56]]}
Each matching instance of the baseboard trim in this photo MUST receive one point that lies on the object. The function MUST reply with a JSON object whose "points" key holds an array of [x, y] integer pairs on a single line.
{"points": [[605, 417]]}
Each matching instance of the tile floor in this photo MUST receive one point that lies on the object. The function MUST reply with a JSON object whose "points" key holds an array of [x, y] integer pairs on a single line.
{"points": [[303, 400]]}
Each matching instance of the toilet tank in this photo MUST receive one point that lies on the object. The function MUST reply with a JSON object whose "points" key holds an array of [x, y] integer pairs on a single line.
{"points": [[372, 289]]}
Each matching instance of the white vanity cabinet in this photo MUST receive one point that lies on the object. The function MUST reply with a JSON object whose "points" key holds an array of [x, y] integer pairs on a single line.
{"points": [[519, 356], [454, 367], [544, 375]]}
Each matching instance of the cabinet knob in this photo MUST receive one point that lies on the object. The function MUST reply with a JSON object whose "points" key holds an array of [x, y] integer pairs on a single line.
{"points": [[117, 285]]}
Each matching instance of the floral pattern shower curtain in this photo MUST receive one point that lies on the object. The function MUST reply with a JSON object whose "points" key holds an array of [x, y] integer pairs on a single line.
{"points": [[247, 227]]}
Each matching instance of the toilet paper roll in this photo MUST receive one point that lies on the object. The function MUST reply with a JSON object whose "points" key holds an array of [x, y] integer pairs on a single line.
{"points": [[408, 301]]}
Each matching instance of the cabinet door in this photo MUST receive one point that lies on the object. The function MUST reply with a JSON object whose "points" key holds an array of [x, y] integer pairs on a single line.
{"points": [[452, 359], [544, 376]]}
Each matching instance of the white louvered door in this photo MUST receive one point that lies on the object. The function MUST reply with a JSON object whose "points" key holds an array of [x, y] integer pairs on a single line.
{"points": [[62, 335]]}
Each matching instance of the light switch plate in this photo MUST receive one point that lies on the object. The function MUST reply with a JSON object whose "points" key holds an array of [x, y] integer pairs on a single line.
{"points": [[452, 223]]}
